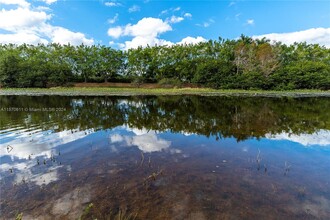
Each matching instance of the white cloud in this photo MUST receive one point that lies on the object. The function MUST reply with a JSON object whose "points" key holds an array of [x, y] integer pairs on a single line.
{"points": [[114, 19], [164, 12], [146, 140], [20, 38], [31, 25], [115, 32], [175, 19], [250, 22], [144, 33], [134, 8], [112, 4], [311, 36], [21, 19], [49, 2], [148, 27], [206, 23], [187, 15], [21, 3], [321, 138], [170, 10], [115, 138], [192, 40], [150, 143], [145, 41], [64, 36]]}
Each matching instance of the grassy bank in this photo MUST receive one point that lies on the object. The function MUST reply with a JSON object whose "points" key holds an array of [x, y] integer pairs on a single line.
{"points": [[101, 91]]}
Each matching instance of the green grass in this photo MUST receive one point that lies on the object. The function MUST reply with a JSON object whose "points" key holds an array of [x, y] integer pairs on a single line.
{"points": [[157, 91]]}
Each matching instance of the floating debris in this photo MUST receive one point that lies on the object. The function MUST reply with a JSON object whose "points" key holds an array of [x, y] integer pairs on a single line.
{"points": [[224, 161], [152, 177]]}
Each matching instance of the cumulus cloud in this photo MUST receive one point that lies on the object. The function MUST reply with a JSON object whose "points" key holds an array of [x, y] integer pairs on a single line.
{"points": [[134, 8], [148, 27], [64, 36], [145, 41], [147, 31], [192, 40], [49, 2], [31, 25], [144, 33], [115, 32], [311, 36], [20, 38], [21, 3], [22, 19]]}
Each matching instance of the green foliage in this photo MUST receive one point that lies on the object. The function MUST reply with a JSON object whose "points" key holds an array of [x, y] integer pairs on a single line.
{"points": [[222, 64], [170, 82]]}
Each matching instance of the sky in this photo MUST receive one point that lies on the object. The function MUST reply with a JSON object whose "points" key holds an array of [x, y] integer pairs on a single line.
{"points": [[129, 24]]}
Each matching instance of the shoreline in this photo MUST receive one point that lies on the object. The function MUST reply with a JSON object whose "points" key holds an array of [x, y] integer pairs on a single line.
{"points": [[113, 91]]}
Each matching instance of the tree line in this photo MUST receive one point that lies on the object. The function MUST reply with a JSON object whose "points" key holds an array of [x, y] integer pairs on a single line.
{"points": [[244, 63]]}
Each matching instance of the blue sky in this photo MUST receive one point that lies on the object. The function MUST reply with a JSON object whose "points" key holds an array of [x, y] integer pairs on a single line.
{"points": [[127, 24]]}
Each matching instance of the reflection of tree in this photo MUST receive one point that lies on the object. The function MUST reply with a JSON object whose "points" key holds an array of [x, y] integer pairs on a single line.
{"points": [[240, 117]]}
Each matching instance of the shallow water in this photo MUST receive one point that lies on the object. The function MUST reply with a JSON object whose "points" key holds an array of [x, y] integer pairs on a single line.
{"points": [[166, 157]]}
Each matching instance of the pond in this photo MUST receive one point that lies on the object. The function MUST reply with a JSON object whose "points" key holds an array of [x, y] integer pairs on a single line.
{"points": [[164, 157]]}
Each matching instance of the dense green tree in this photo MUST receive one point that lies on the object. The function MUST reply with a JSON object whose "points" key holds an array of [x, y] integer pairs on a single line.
{"points": [[245, 63]]}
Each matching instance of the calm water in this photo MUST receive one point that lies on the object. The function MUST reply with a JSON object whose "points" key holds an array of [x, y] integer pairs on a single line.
{"points": [[179, 157]]}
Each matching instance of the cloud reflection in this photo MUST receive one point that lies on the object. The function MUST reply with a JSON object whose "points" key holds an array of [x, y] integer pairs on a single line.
{"points": [[146, 140], [321, 138]]}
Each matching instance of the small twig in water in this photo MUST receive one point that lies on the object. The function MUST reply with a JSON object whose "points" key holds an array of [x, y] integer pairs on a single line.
{"points": [[258, 159], [142, 159], [287, 168]]}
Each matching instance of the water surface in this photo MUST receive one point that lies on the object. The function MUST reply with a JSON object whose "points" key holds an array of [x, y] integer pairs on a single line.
{"points": [[166, 157]]}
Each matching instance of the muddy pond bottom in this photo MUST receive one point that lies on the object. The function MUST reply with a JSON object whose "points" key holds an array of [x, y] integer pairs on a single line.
{"points": [[184, 157]]}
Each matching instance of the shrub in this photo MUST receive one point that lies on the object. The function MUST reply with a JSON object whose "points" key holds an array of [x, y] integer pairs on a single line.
{"points": [[170, 82]]}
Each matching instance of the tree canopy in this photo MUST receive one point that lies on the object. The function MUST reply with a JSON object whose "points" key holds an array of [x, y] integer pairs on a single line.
{"points": [[244, 63]]}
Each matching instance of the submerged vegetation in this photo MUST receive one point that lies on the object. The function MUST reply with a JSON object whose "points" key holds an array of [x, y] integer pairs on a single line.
{"points": [[244, 63]]}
